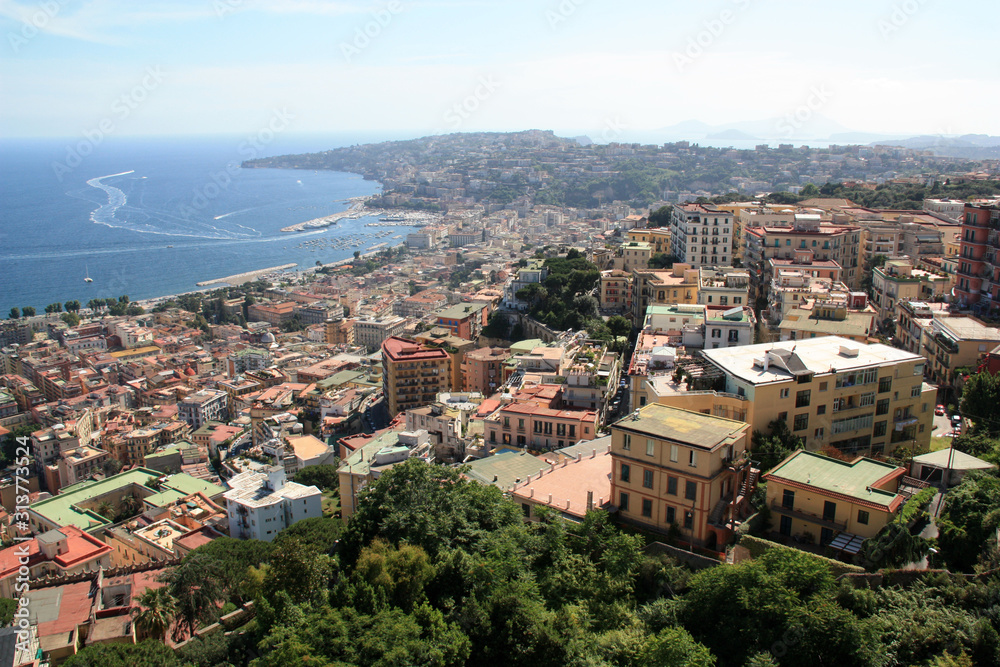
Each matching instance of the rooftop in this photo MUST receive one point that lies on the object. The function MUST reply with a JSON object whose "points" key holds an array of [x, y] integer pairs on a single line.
{"points": [[855, 480], [506, 469], [683, 426], [820, 356]]}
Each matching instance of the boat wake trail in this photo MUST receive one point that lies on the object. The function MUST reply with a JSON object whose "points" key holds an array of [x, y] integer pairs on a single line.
{"points": [[117, 214]]}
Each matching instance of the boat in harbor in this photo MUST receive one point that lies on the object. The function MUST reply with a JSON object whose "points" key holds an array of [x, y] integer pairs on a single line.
{"points": [[393, 218], [87, 279]]}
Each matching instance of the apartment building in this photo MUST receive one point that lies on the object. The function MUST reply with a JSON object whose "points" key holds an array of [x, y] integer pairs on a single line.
{"points": [[414, 374], [817, 498], [532, 426], [677, 285], [260, 505], [533, 272], [465, 320], [676, 468], [658, 237], [978, 264], [203, 406], [79, 464], [701, 234], [723, 286], [953, 345], [831, 318], [833, 392], [275, 313], [633, 255], [247, 359], [616, 291], [482, 369], [56, 552], [898, 280], [913, 320], [339, 332], [372, 333]]}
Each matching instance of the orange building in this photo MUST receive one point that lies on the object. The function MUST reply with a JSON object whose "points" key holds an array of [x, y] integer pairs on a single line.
{"points": [[414, 374]]}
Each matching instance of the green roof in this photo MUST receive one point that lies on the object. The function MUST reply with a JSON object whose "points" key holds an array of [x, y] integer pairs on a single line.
{"points": [[683, 426], [525, 346], [507, 468], [165, 498], [458, 311], [64, 509], [849, 478], [357, 462], [339, 378]]}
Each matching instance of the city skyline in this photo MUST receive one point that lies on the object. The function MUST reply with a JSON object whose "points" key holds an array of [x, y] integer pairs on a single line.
{"points": [[415, 68]]}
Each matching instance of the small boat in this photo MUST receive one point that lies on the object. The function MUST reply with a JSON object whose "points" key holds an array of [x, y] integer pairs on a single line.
{"points": [[88, 279]]}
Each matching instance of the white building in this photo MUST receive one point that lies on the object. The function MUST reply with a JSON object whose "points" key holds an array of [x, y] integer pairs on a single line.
{"points": [[701, 235], [372, 333], [261, 505], [203, 406]]}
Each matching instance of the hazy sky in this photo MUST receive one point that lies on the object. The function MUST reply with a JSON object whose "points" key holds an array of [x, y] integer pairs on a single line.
{"points": [[163, 67]]}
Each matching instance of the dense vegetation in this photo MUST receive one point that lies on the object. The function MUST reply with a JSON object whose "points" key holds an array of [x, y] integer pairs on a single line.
{"points": [[564, 300], [438, 570]]}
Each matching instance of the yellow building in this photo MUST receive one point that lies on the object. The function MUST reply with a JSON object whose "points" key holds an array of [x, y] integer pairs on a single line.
{"points": [[833, 392], [414, 374], [658, 237], [897, 281], [672, 467], [654, 287], [815, 497], [616, 291], [951, 343], [633, 255]]}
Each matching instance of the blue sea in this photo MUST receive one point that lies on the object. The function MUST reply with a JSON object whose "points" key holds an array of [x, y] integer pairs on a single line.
{"points": [[152, 217]]}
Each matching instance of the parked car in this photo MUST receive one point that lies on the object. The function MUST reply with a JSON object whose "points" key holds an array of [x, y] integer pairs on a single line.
{"points": [[956, 420], [939, 411]]}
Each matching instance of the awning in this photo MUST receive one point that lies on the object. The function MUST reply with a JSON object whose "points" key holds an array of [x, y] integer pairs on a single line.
{"points": [[847, 542], [906, 422]]}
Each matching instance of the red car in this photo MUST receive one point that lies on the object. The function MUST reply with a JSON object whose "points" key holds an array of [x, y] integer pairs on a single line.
{"points": [[939, 410]]}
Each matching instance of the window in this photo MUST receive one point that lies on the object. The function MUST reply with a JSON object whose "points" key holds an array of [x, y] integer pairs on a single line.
{"points": [[802, 398], [693, 459], [650, 447], [915, 392], [672, 486], [829, 511], [716, 333], [867, 399], [822, 386], [885, 384], [818, 433], [673, 453], [671, 515], [623, 502], [647, 507], [821, 409], [882, 407], [627, 443], [863, 517], [788, 499], [879, 429], [690, 490], [626, 469], [801, 422], [783, 393], [689, 520], [647, 478]]}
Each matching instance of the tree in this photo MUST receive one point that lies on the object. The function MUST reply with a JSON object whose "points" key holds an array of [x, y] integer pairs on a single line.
{"points": [[299, 570], [809, 190], [197, 586], [357, 254], [319, 533], [324, 476], [72, 306], [970, 518], [28, 311], [980, 398], [619, 326], [106, 509], [155, 613], [149, 653], [675, 647], [71, 319], [53, 308], [15, 313], [662, 261]]}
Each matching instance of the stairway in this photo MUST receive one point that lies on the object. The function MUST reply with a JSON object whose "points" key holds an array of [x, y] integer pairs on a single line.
{"points": [[716, 516], [750, 482]]}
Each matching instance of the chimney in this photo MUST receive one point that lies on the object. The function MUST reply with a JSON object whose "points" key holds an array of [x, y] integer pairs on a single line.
{"points": [[590, 500], [593, 454], [550, 499], [567, 504], [531, 492]]}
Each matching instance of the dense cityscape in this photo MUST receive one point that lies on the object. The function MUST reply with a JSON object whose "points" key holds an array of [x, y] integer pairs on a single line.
{"points": [[607, 405]]}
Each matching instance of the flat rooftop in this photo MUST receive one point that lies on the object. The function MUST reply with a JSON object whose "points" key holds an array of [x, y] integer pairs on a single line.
{"points": [[819, 356], [683, 426]]}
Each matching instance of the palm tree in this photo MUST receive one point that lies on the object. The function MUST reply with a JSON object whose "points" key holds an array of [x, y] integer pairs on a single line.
{"points": [[196, 585], [130, 506], [106, 509], [155, 613]]}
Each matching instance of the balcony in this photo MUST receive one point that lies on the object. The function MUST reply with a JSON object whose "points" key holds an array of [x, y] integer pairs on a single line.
{"points": [[778, 508]]}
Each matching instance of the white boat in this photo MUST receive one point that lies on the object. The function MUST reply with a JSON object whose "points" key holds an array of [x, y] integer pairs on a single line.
{"points": [[88, 279]]}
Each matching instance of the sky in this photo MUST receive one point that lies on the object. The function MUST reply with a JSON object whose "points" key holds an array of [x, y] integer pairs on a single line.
{"points": [[605, 68]]}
